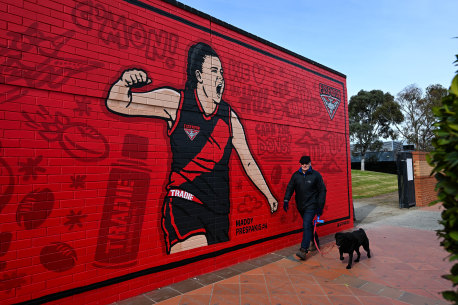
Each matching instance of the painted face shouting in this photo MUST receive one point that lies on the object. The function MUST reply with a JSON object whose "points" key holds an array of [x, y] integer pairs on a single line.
{"points": [[211, 78]]}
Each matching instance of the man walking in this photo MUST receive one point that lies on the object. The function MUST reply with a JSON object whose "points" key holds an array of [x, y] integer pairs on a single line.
{"points": [[310, 191]]}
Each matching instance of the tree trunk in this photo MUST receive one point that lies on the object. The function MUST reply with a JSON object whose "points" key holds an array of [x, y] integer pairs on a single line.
{"points": [[362, 164]]}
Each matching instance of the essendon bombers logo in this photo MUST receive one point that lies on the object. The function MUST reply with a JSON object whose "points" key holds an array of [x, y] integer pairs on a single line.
{"points": [[331, 98], [191, 131]]}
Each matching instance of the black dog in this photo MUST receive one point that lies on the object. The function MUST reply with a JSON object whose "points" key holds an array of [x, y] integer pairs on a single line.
{"points": [[351, 241]]}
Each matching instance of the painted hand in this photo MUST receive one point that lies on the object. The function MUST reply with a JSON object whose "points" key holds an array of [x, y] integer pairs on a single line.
{"points": [[135, 78], [285, 206], [273, 204]]}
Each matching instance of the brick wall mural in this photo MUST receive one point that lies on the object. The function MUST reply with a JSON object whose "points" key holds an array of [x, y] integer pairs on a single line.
{"points": [[143, 143]]}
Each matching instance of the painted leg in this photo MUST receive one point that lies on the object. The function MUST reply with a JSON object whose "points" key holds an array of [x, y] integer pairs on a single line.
{"points": [[192, 242]]}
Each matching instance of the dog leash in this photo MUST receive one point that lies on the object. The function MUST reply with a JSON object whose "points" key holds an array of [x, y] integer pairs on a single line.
{"points": [[315, 221]]}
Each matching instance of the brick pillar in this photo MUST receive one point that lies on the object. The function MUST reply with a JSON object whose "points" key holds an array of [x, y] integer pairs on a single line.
{"points": [[424, 183]]}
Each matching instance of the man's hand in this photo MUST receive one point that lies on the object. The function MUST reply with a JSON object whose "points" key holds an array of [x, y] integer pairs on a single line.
{"points": [[319, 212], [285, 206], [135, 78]]}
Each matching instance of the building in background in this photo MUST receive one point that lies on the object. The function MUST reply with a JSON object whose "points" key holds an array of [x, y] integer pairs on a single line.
{"points": [[383, 160]]}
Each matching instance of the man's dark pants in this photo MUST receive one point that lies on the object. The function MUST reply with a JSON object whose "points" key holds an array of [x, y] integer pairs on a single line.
{"points": [[308, 228]]}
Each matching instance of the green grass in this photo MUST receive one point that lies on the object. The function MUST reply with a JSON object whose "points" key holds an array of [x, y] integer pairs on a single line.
{"points": [[369, 184]]}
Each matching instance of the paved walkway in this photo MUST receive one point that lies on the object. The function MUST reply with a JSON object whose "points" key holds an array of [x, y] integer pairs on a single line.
{"points": [[405, 268]]}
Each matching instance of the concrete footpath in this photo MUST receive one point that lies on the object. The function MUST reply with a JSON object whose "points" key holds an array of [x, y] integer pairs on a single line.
{"points": [[406, 268]]}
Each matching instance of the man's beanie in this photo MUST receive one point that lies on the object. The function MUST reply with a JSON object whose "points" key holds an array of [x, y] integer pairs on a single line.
{"points": [[305, 160]]}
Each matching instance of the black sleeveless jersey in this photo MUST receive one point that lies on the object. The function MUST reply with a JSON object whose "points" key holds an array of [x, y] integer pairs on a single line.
{"points": [[201, 147]]}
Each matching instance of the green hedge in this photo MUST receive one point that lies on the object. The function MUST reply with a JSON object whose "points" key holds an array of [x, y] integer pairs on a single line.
{"points": [[444, 159]]}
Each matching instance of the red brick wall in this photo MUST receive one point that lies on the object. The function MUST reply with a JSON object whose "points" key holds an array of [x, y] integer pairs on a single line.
{"points": [[83, 188], [424, 183]]}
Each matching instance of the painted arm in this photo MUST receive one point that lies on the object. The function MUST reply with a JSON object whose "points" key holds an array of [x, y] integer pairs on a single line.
{"points": [[248, 162], [161, 103]]}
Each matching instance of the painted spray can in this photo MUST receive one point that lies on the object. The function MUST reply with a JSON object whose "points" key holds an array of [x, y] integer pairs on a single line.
{"points": [[124, 208]]}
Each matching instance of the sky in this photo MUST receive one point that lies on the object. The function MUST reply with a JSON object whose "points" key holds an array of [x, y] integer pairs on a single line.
{"points": [[385, 45]]}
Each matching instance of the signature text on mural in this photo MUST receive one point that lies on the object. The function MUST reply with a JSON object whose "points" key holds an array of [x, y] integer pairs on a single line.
{"points": [[245, 225]]}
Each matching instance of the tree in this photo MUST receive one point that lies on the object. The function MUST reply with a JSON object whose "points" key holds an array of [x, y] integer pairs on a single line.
{"points": [[444, 159], [370, 114], [418, 125]]}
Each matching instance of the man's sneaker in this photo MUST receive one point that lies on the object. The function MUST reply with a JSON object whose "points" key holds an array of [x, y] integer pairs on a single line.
{"points": [[302, 253]]}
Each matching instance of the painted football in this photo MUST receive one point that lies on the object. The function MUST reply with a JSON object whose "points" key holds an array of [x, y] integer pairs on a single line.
{"points": [[58, 257], [35, 208]]}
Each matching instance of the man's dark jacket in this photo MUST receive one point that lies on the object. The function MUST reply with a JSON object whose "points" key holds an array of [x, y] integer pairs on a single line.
{"points": [[310, 190]]}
